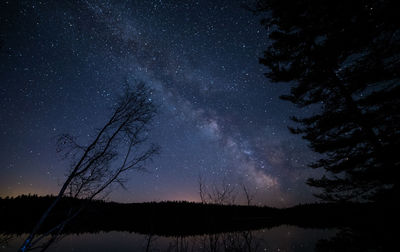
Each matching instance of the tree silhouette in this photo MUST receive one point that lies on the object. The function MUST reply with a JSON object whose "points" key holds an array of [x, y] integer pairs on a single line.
{"points": [[118, 147], [216, 193], [344, 58]]}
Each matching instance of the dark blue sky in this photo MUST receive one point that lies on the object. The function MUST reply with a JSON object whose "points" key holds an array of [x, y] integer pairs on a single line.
{"points": [[62, 62]]}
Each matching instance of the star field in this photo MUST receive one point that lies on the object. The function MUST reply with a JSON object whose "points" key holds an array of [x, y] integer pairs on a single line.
{"points": [[62, 62]]}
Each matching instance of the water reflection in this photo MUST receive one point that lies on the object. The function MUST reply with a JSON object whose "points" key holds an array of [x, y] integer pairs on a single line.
{"points": [[360, 239], [282, 238]]}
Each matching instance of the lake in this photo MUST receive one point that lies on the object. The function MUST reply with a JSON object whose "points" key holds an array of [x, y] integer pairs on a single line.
{"points": [[281, 238]]}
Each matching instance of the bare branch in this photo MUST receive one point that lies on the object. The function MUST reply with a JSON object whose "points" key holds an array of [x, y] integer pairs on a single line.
{"points": [[100, 164], [249, 196]]}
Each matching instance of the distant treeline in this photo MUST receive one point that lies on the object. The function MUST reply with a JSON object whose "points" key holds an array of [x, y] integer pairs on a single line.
{"points": [[178, 218]]}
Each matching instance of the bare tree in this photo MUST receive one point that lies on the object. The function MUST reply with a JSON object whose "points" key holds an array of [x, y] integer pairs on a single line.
{"points": [[221, 193], [202, 189], [119, 146], [225, 193], [248, 194]]}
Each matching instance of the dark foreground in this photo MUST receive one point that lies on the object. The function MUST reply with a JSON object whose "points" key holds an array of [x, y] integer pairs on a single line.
{"points": [[351, 227]]}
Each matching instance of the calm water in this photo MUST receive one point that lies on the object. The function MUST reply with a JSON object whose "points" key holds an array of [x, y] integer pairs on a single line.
{"points": [[282, 238]]}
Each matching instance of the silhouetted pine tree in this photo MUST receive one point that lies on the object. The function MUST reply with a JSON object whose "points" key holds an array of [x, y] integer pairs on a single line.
{"points": [[345, 57]]}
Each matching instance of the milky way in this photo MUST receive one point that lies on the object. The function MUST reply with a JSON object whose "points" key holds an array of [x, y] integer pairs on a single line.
{"points": [[62, 62]]}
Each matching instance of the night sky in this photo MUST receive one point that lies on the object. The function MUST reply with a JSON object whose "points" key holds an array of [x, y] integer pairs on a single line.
{"points": [[63, 62]]}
